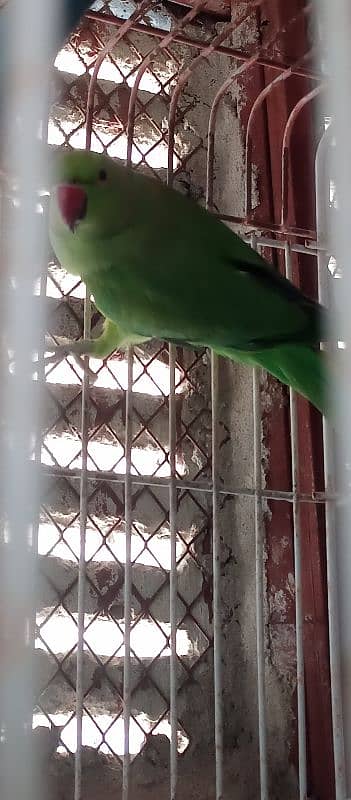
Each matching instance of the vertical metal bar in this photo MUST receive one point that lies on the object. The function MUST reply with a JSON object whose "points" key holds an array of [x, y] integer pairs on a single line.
{"points": [[128, 488], [127, 578], [41, 380], [260, 615], [181, 82], [300, 670], [173, 575], [139, 11], [81, 568], [24, 65], [216, 557], [173, 537], [216, 540], [83, 514], [330, 487]]}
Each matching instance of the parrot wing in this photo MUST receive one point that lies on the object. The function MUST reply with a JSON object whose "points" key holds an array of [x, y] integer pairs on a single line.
{"points": [[204, 289]]}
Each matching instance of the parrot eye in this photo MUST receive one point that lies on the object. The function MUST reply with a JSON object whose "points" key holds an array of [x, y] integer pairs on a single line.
{"points": [[102, 175]]}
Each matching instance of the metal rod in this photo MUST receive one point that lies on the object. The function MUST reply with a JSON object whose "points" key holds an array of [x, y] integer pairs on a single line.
{"points": [[232, 52], [303, 233], [173, 574], [173, 536], [112, 42], [335, 28], [216, 537], [275, 244], [162, 45], [322, 198], [300, 667], [139, 11], [213, 119], [127, 579], [185, 74], [128, 512], [24, 98], [286, 147], [216, 558], [260, 599], [39, 431], [83, 514], [267, 90], [192, 486]]}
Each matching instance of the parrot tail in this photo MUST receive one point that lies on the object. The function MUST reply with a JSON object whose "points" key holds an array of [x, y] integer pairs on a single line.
{"points": [[302, 368], [298, 366]]}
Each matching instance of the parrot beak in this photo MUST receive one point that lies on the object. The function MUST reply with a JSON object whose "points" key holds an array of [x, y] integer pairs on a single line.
{"points": [[72, 202]]}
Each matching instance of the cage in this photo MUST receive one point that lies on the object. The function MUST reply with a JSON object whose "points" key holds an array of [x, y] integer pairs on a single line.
{"points": [[183, 636]]}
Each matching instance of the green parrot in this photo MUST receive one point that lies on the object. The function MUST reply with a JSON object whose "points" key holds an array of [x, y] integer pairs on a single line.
{"points": [[160, 266]]}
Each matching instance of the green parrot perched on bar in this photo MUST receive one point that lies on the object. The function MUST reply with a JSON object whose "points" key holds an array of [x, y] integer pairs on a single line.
{"points": [[160, 266]]}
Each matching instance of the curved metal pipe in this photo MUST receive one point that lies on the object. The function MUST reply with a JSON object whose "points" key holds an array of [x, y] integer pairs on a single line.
{"points": [[165, 42], [187, 72], [144, 6], [248, 141], [255, 58], [232, 52], [307, 98]]}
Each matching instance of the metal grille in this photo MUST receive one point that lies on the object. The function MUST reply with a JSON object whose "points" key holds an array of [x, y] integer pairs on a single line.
{"points": [[134, 533], [147, 557], [133, 123]]}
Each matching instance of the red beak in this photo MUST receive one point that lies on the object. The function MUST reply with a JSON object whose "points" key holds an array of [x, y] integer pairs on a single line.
{"points": [[72, 202]]}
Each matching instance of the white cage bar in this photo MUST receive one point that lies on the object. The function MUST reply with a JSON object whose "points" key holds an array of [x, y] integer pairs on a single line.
{"points": [[300, 671], [23, 101], [260, 581], [82, 565], [276, 241]]}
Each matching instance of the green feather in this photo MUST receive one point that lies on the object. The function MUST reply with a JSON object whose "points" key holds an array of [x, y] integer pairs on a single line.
{"points": [[297, 366]]}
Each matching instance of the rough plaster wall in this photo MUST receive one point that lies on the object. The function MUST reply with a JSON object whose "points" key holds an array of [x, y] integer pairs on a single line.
{"points": [[237, 518], [102, 774]]}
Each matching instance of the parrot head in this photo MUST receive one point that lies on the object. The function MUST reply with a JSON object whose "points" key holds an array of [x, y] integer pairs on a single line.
{"points": [[91, 197]]}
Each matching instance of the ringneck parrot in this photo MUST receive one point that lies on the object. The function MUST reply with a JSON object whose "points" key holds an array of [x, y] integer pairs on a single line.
{"points": [[160, 266]]}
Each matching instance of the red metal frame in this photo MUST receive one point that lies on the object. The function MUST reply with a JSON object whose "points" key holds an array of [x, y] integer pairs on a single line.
{"points": [[269, 126]]}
